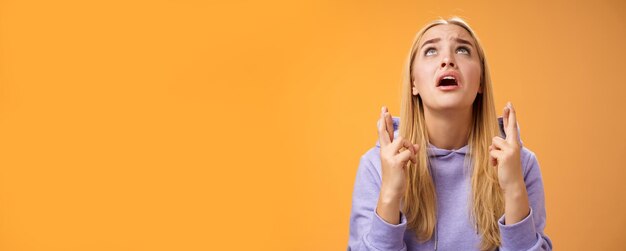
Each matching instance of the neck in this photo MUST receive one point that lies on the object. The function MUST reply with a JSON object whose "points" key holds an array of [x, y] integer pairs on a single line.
{"points": [[448, 129]]}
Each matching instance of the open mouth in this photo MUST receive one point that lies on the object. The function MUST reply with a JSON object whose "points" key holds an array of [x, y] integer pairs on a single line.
{"points": [[447, 81]]}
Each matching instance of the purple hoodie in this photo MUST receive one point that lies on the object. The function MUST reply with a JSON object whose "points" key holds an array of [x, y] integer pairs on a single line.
{"points": [[454, 229]]}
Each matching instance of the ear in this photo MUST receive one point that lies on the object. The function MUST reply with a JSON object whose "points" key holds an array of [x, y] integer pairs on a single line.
{"points": [[414, 88]]}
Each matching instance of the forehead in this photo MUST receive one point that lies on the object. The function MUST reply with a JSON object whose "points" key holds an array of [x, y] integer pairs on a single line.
{"points": [[447, 32]]}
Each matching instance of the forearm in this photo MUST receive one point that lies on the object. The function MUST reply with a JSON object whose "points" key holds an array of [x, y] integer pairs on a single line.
{"points": [[516, 206], [388, 207]]}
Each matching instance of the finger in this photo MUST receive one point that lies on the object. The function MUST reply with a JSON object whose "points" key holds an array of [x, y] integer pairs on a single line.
{"points": [[389, 124], [495, 154], [383, 136], [411, 147], [511, 128], [401, 142], [492, 160], [415, 147], [505, 118], [498, 143], [404, 156], [413, 158]]}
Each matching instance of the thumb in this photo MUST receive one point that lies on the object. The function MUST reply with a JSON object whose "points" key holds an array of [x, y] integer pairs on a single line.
{"points": [[493, 161]]}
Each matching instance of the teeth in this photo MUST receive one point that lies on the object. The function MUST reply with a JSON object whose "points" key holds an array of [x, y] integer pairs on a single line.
{"points": [[448, 77]]}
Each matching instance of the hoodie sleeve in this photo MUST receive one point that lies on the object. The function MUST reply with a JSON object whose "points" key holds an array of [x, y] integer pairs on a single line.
{"points": [[368, 231], [528, 233]]}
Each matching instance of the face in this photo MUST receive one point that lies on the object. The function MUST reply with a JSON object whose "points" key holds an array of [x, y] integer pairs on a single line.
{"points": [[446, 56]]}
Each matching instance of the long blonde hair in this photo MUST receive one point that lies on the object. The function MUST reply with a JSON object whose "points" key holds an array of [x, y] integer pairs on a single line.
{"points": [[419, 201]]}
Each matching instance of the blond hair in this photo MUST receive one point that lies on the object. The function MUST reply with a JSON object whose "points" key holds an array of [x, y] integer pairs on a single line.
{"points": [[419, 201]]}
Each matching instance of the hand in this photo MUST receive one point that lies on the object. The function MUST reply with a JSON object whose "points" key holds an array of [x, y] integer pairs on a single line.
{"points": [[505, 153], [393, 161]]}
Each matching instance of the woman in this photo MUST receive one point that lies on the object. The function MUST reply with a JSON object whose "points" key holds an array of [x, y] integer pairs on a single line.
{"points": [[446, 175]]}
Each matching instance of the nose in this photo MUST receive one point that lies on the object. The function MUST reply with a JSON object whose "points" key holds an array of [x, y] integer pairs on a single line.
{"points": [[447, 61]]}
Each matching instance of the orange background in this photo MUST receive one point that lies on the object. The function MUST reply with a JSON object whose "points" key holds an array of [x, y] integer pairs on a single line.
{"points": [[187, 125]]}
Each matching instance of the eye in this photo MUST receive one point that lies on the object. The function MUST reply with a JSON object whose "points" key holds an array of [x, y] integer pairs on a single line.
{"points": [[430, 52], [463, 50]]}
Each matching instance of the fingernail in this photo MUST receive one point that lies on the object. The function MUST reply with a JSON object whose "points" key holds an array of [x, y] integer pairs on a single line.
{"points": [[382, 110], [508, 104]]}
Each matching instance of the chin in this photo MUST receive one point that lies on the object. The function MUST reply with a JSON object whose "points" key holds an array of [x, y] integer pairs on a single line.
{"points": [[451, 104]]}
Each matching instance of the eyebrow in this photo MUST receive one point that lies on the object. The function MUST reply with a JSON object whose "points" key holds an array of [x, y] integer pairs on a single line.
{"points": [[435, 40], [463, 41], [430, 41]]}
